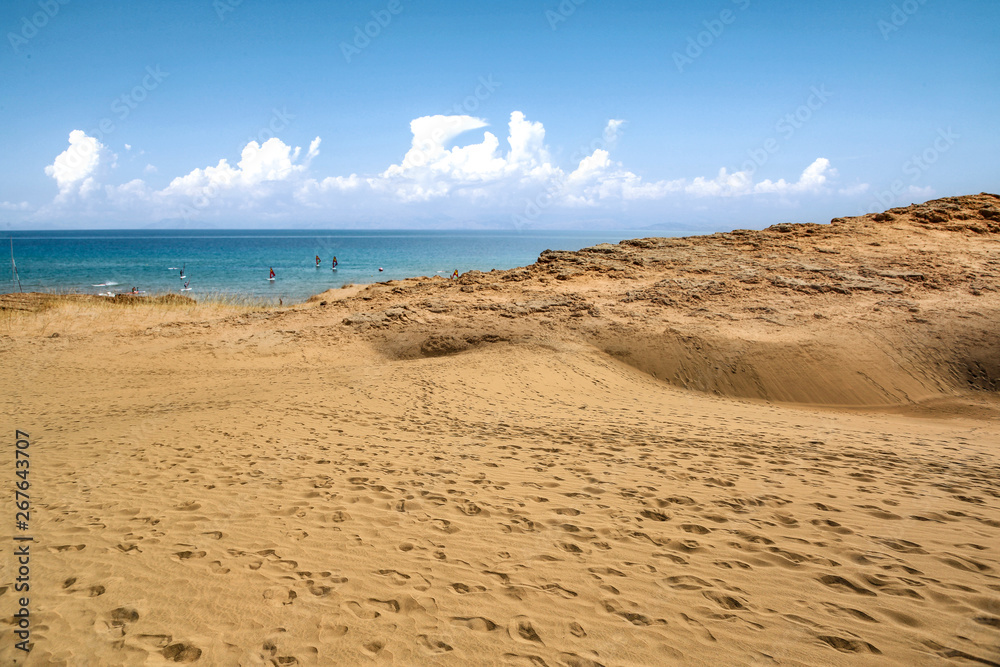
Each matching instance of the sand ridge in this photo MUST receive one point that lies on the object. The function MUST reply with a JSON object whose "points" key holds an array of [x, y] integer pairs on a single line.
{"points": [[494, 470], [880, 310]]}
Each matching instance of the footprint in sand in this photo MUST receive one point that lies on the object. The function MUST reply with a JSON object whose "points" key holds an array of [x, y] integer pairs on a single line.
{"points": [[521, 629], [181, 652], [463, 589], [686, 583], [725, 601], [387, 605], [373, 648], [318, 590], [416, 581], [477, 623], [119, 619], [574, 660], [433, 646], [732, 565], [280, 596], [608, 571], [217, 568], [359, 611], [444, 526], [632, 617], [91, 591], [556, 589], [695, 529], [123, 615]]}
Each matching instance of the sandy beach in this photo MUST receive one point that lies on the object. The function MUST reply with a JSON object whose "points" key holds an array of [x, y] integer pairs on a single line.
{"points": [[760, 447]]}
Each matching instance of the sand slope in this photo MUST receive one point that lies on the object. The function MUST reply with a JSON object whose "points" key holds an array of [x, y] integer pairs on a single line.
{"points": [[421, 473]]}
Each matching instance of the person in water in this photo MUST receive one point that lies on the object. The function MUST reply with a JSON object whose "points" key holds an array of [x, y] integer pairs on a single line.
{"points": [[186, 283]]}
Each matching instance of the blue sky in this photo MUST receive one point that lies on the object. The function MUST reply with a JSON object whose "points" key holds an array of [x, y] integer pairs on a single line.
{"points": [[542, 114]]}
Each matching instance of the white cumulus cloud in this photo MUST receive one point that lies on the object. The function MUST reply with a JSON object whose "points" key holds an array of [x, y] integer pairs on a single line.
{"points": [[261, 170], [489, 174], [76, 169], [812, 180]]}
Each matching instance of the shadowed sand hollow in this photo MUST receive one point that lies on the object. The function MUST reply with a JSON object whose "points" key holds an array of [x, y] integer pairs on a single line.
{"points": [[759, 447]]}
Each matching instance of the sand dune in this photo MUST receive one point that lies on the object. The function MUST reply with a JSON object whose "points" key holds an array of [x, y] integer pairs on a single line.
{"points": [[575, 463]]}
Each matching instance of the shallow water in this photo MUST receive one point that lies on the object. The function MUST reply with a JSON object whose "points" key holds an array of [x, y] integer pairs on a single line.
{"points": [[237, 262]]}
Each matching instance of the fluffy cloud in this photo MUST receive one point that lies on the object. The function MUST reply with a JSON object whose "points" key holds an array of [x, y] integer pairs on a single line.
{"points": [[813, 179], [76, 169], [260, 164], [488, 176]]}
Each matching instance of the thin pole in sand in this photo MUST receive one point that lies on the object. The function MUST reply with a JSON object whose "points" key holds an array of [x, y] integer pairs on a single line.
{"points": [[13, 266]]}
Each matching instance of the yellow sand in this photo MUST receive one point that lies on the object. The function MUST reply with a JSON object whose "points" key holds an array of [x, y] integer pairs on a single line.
{"points": [[283, 488]]}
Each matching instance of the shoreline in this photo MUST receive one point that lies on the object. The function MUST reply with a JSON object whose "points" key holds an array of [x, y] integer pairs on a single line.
{"points": [[237, 267]]}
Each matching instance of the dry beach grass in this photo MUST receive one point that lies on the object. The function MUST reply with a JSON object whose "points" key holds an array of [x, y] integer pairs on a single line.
{"points": [[775, 447]]}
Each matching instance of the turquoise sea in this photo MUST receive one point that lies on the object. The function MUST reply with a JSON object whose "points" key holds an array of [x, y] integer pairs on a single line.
{"points": [[237, 262]]}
